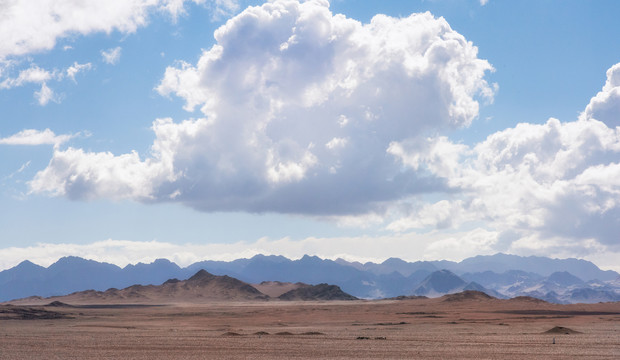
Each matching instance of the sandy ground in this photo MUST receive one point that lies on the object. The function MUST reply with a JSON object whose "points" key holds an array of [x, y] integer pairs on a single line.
{"points": [[419, 328]]}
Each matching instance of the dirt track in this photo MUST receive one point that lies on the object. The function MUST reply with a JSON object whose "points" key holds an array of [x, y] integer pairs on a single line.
{"points": [[361, 330]]}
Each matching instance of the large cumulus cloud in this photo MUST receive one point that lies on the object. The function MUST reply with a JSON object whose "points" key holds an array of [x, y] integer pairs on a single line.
{"points": [[542, 186], [298, 108]]}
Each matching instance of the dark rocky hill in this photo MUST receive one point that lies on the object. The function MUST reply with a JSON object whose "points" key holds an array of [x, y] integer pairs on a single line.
{"points": [[317, 292]]}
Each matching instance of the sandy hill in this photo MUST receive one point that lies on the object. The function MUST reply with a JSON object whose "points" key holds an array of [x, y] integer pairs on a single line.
{"points": [[202, 287], [317, 292]]}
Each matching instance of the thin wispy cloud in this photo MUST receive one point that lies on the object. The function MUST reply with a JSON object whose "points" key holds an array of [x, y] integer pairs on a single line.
{"points": [[39, 76], [33, 137], [111, 56], [76, 68]]}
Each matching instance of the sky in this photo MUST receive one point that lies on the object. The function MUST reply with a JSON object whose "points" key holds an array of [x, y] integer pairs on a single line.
{"points": [[132, 130]]}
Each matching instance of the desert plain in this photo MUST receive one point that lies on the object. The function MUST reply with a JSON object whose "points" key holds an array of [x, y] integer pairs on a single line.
{"points": [[466, 326]]}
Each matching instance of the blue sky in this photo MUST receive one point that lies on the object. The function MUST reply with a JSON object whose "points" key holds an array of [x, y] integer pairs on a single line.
{"points": [[218, 129]]}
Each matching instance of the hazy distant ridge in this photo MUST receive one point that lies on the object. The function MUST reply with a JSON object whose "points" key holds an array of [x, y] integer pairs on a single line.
{"points": [[559, 280]]}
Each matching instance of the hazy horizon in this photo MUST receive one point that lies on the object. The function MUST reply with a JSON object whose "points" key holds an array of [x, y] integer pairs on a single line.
{"points": [[185, 264]]}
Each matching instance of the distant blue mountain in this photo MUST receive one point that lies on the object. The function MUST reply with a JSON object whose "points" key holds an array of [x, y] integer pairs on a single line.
{"points": [[440, 283], [397, 265], [544, 266], [500, 275], [564, 278], [444, 282], [70, 274], [505, 279]]}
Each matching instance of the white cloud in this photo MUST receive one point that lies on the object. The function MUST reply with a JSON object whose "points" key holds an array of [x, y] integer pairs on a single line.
{"points": [[283, 81], [84, 175], [32, 75], [37, 75], [605, 106], [555, 185], [111, 56], [45, 95], [336, 143], [33, 137], [29, 26], [547, 178], [438, 155], [77, 68], [484, 2]]}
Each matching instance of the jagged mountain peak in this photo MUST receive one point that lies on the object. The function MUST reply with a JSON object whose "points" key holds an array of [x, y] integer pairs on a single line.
{"points": [[201, 275]]}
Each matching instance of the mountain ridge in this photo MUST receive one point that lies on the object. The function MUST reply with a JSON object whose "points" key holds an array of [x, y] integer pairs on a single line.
{"points": [[393, 277]]}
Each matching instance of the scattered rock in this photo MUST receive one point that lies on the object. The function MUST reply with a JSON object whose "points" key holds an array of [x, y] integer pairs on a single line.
{"points": [[561, 330], [391, 323], [29, 313], [407, 297], [58, 304], [231, 333]]}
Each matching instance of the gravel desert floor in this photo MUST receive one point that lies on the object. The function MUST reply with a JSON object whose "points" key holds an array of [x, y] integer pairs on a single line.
{"points": [[448, 327]]}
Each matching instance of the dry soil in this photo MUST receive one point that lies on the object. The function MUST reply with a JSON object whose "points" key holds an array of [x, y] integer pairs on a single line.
{"points": [[388, 329]]}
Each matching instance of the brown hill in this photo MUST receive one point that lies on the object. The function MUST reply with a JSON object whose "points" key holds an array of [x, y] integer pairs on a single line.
{"points": [[468, 295], [200, 288], [317, 292]]}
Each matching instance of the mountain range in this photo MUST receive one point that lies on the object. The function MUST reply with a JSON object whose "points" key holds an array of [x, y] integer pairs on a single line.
{"points": [[500, 275], [202, 287]]}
